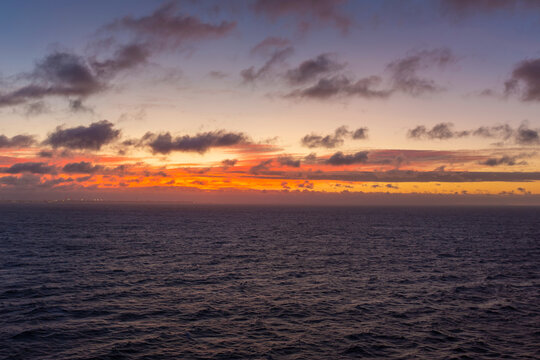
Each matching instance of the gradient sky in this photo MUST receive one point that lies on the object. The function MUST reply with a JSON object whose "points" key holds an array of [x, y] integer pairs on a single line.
{"points": [[326, 101]]}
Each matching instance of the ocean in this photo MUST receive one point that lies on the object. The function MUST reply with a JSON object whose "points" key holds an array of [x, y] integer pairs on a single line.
{"points": [[164, 281]]}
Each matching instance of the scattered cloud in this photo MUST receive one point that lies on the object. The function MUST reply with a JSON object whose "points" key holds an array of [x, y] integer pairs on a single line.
{"points": [[342, 159], [82, 167], [17, 141], [30, 167], [278, 57], [341, 85], [404, 72], [312, 69], [523, 135], [289, 161], [165, 143], [525, 80], [334, 140], [166, 27], [262, 166], [91, 137]]}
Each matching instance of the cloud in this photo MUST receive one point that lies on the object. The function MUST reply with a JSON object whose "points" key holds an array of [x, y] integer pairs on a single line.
{"points": [[334, 140], [278, 57], [404, 72], [91, 137], [312, 69], [59, 74], [269, 45], [227, 163], [525, 80], [504, 160], [77, 106], [125, 57], [30, 167], [288, 161], [16, 141], [202, 142], [527, 136], [415, 176], [340, 85], [262, 166], [341, 159], [440, 131], [25, 180], [306, 12], [69, 75], [503, 132], [523, 135], [166, 27], [82, 167]]}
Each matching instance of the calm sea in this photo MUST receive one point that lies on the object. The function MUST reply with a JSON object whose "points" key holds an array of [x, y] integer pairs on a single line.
{"points": [[215, 282]]}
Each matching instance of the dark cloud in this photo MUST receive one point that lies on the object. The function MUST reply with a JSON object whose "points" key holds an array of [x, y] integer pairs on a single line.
{"points": [[59, 74], [440, 131], [91, 137], [126, 57], [527, 136], [77, 106], [165, 143], [415, 176], [227, 163], [328, 141], [523, 135], [278, 57], [504, 160], [312, 69], [45, 154], [167, 27], [390, 186], [306, 12], [525, 80], [288, 161], [334, 140], [340, 85], [82, 167], [404, 72], [30, 167], [16, 141], [503, 132], [342, 159], [262, 166], [24, 180], [360, 134]]}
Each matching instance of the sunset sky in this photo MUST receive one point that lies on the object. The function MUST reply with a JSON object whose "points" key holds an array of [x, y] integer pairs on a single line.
{"points": [[327, 101]]}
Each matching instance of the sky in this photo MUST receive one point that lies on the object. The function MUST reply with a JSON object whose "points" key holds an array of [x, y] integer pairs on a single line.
{"points": [[271, 101]]}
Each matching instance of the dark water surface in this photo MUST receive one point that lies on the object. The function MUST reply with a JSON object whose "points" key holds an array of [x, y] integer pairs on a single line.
{"points": [[202, 282]]}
